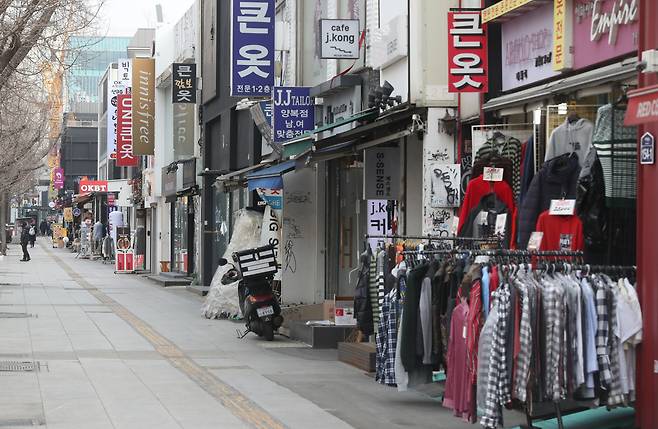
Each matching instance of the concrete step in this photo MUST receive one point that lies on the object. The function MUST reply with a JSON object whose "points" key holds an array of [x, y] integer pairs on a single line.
{"points": [[167, 281], [199, 290], [319, 337]]}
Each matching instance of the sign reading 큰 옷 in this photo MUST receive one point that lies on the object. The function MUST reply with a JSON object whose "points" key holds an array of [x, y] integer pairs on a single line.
{"points": [[143, 93], [467, 52], [184, 77], [252, 48]]}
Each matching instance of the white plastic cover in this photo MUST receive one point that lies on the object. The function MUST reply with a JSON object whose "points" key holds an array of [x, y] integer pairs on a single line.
{"points": [[222, 300]]}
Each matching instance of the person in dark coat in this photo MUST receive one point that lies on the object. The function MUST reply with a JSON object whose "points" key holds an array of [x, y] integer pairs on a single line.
{"points": [[43, 227], [32, 230], [25, 239]]}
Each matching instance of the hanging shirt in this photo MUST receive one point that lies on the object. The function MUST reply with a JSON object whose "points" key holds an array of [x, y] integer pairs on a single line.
{"points": [[563, 233], [570, 137], [485, 291], [457, 387], [589, 333], [478, 188]]}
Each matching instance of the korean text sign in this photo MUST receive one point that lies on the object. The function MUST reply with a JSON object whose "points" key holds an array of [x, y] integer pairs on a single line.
{"points": [[125, 156], [252, 48], [467, 52], [294, 113], [184, 89]]}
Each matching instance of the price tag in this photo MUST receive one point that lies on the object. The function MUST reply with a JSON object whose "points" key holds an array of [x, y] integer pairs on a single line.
{"points": [[535, 241], [455, 225], [501, 223], [562, 207], [493, 174]]}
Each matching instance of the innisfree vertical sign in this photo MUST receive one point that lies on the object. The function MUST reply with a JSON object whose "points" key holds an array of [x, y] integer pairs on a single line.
{"points": [[252, 48], [339, 38]]}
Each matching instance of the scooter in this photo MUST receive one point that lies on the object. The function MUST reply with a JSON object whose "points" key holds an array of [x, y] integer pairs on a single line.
{"points": [[254, 269]]}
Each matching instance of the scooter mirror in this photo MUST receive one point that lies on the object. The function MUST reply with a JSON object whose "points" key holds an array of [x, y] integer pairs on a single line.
{"points": [[222, 262]]}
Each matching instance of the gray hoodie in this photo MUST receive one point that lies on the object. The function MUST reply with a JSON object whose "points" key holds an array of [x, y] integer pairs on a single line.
{"points": [[568, 138]]}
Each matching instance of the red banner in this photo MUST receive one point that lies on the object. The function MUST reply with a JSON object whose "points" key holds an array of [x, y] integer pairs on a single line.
{"points": [[125, 156], [642, 106], [467, 52], [89, 186]]}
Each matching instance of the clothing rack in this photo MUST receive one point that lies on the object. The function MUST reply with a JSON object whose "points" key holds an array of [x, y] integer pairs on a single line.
{"points": [[467, 242]]}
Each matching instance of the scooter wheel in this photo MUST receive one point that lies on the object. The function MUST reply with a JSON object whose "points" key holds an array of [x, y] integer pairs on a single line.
{"points": [[268, 331]]}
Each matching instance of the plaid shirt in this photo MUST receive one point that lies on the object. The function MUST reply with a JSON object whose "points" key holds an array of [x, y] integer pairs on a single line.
{"points": [[525, 352], [602, 334], [554, 318], [386, 339], [498, 390]]}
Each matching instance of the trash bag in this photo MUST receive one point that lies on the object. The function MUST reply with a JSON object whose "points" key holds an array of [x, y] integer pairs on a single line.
{"points": [[222, 299]]}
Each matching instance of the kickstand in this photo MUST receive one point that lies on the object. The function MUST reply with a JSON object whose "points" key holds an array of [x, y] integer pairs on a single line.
{"points": [[241, 335], [528, 420]]}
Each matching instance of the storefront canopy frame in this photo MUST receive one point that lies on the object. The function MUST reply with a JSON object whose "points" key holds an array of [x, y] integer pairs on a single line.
{"points": [[270, 177], [613, 73], [236, 179]]}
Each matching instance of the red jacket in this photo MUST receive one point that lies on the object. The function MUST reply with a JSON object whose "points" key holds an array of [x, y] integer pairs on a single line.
{"points": [[478, 188]]}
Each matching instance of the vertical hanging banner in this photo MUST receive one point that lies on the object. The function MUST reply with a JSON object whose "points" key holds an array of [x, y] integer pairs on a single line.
{"points": [[467, 52], [183, 131], [125, 156], [294, 113], [125, 76], [184, 78], [114, 89], [58, 178], [143, 109], [252, 48]]}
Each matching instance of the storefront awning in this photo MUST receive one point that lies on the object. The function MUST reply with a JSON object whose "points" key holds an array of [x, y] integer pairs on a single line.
{"points": [[236, 179], [269, 177], [613, 73]]}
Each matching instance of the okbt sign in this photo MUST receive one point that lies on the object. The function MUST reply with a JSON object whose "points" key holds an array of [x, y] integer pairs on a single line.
{"points": [[90, 186]]}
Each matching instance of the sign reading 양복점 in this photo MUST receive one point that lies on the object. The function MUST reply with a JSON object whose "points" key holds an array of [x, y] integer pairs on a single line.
{"points": [[252, 48], [294, 113], [467, 53], [143, 92], [382, 173], [184, 78], [339, 38]]}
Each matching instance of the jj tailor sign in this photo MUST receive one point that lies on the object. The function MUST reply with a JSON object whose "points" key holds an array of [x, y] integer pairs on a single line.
{"points": [[143, 77], [293, 113], [252, 48], [382, 173], [467, 52], [125, 156], [184, 78], [527, 48], [340, 38]]}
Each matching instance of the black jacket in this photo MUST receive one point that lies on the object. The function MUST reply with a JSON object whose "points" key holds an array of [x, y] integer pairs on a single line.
{"points": [[558, 178], [25, 234], [362, 304], [493, 206], [590, 204], [409, 325]]}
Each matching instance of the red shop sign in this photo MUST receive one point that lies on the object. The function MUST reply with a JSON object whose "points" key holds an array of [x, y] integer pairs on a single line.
{"points": [[467, 51], [125, 156], [642, 106], [89, 186]]}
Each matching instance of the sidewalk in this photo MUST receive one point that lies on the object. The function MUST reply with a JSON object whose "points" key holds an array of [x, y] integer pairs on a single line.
{"points": [[117, 351]]}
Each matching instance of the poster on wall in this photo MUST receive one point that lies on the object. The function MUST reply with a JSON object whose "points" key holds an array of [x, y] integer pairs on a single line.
{"points": [[467, 52], [272, 197], [438, 221], [271, 236], [382, 173], [527, 48], [294, 112], [124, 260], [444, 184], [252, 48], [604, 29]]}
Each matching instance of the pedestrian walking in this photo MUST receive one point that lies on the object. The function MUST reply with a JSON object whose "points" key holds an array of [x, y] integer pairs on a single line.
{"points": [[25, 239], [33, 234], [43, 227]]}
